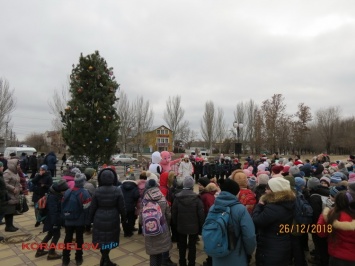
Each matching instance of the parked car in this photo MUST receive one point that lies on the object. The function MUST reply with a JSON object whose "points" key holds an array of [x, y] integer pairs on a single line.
{"points": [[123, 159], [71, 161]]}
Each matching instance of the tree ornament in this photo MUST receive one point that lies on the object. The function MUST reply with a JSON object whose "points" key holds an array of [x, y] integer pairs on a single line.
{"points": [[97, 111], [67, 108], [110, 73], [104, 117], [91, 68], [90, 142], [80, 90], [101, 85], [97, 121], [98, 146], [107, 140], [77, 77]]}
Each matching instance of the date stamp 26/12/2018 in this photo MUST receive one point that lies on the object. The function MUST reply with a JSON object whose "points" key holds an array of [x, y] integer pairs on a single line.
{"points": [[305, 228]]}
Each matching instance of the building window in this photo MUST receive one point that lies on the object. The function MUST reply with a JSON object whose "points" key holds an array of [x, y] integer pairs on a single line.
{"points": [[162, 140]]}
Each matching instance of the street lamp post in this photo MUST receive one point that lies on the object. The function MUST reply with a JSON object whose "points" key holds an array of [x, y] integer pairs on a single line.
{"points": [[238, 146]]}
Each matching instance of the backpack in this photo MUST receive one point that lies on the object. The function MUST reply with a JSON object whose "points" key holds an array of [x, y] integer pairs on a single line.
{"points": [[71, 205], [41, 206], [324, 200], [303, 210], [153, 218], [218, 238]]}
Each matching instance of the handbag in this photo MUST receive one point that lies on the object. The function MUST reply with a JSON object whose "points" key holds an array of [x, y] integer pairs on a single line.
{"points": [[22, 206]]}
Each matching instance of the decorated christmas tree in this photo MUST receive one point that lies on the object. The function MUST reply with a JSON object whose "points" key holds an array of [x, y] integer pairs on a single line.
{"points": [[90, 120]]}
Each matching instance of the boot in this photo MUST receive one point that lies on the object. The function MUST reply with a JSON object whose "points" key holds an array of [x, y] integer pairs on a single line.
{"points": [[53, 255], [9, 221], [40, 253], [168, 262]]}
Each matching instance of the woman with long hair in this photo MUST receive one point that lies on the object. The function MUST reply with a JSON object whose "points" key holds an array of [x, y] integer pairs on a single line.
{"points": [[338, 224]]}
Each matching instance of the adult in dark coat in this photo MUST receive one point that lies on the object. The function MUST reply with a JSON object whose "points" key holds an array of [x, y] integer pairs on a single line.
{"points": [[131, 195], [41, 184], [316, 191], [188, 214], [51, 161], [13, 186], [33, 164], [54, 219], [274, 211], [107, 207]]}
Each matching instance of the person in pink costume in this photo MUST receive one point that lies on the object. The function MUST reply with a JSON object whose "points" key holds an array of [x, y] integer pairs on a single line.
{"points": [[166, 161]]}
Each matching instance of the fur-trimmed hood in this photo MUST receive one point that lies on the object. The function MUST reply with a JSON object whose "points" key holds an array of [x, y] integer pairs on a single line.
{"points": [[279, 197]]}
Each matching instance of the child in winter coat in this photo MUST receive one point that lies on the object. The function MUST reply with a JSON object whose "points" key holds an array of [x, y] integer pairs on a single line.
{"points": [[53, 222], [245, 195]]}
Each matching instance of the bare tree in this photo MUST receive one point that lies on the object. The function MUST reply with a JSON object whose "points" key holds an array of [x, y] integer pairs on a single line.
{"points": [[174, 114], [208, 124], [37, 141], [300, 127], [143, 120], [7, 102], [127, 120], [274, 114], [57, 105], [221, 128], [327, 120]]}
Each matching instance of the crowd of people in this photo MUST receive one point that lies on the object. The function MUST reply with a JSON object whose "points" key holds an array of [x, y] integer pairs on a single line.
{"points": [[276, 204]]}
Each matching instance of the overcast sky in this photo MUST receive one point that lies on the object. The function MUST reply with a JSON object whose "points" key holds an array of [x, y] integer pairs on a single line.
{"points": [[223, 51]]}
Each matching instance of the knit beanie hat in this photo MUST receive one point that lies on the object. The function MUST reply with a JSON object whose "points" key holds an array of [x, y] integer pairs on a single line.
{"points": [[325, 179], [277, 169], [61, 185], [44, 167], [261, 167], [79, 180], [294, 170], [263, 179], [89, 172], [286, 169], [313, 182], [240, 177], [75, 170], [151, 175], [151, 183], [333, 191], [277, 184], [188, 182], [299, 183], [230, 186], [252, 182], [204, 181], [335, 178]]}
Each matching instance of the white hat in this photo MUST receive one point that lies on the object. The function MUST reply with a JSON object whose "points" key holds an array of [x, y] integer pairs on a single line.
{"points": [[277, 184]]}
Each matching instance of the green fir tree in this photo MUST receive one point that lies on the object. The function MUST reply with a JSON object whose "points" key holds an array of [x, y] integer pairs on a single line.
{"points": [[90, 120]]}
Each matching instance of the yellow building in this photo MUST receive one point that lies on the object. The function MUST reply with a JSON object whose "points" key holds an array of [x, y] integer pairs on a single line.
{"points": [[159, 139]]}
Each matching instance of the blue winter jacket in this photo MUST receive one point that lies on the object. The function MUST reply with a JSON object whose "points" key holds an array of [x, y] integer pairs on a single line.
{"points": [[244, 230]]}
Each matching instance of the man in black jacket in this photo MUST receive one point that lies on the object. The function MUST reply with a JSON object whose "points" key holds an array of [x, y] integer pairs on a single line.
{"points": [[33, 164], [189, 216]]}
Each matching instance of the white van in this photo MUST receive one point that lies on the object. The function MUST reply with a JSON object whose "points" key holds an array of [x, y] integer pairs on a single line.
{"points": [[18, 151]]}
